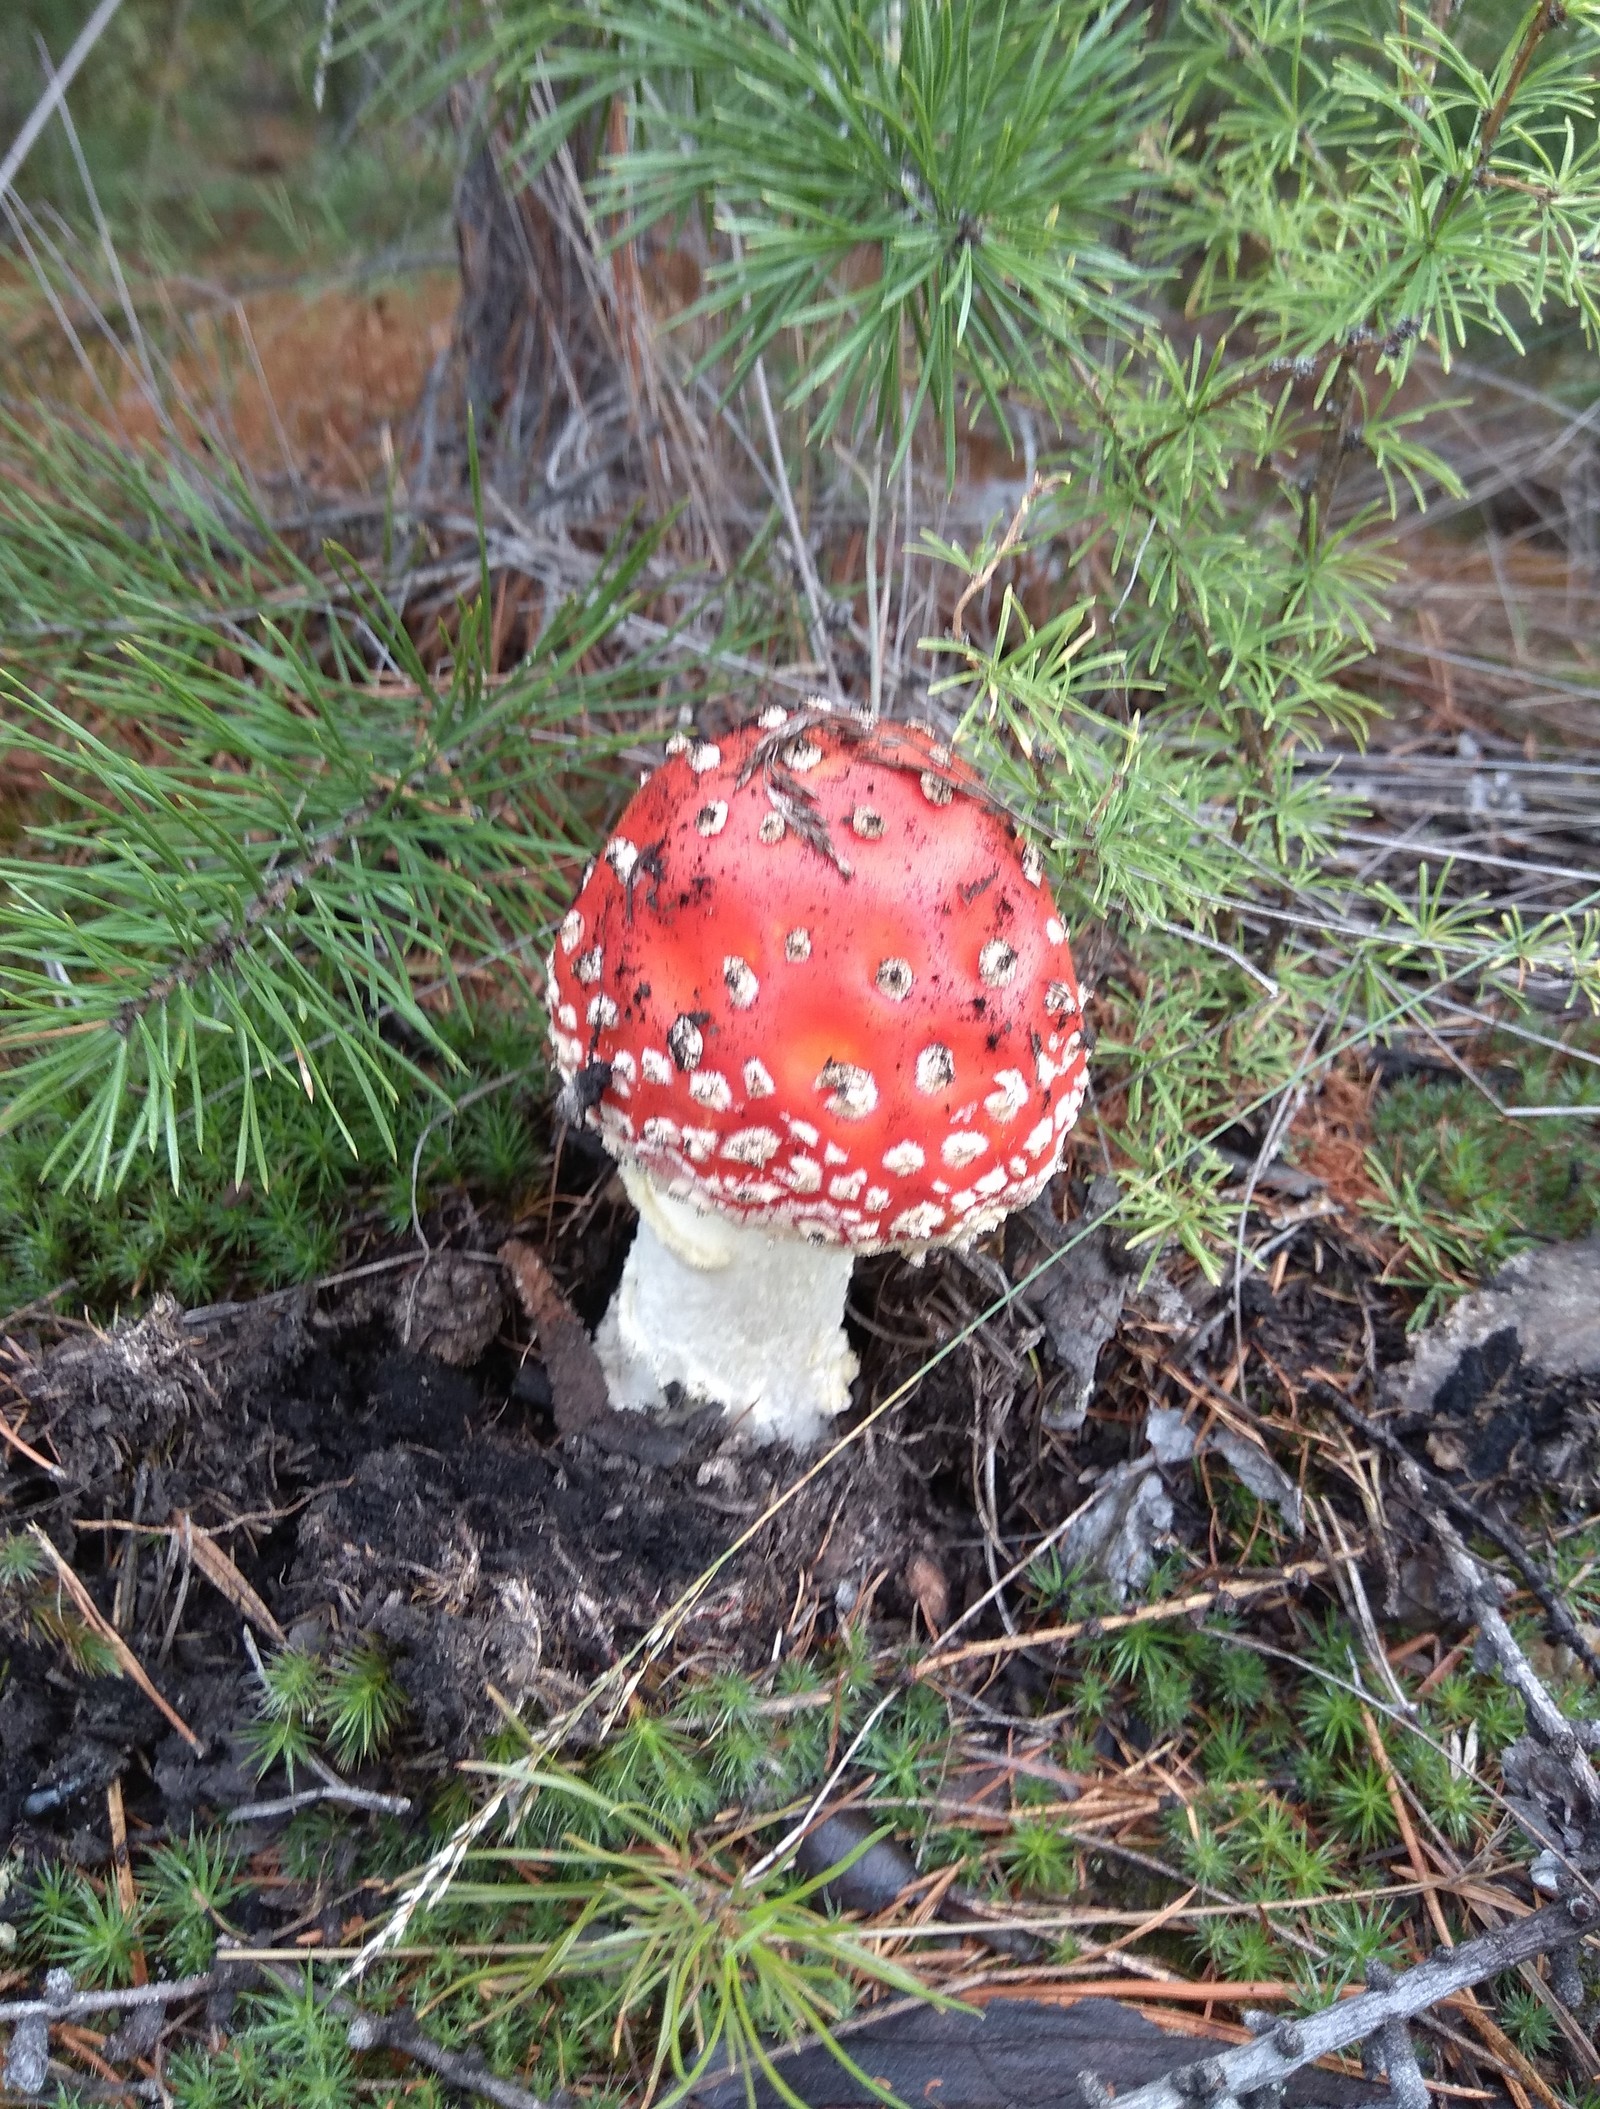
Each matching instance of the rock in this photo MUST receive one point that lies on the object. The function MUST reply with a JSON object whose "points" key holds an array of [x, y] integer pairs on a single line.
{"points": [[27, 2059], [1173, 1441], [1117, 1531], [1079, 1299], [1170, 1434], [136, 2035], [1506, 1383], [1547, 1300], [1260, 1475]]}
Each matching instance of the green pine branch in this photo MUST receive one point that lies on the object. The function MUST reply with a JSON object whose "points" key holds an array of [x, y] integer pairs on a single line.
{"points": [[277, 858]]}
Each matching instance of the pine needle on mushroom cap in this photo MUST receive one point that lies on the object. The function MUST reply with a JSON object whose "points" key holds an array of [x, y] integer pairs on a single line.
{"points": [[827, 986]]}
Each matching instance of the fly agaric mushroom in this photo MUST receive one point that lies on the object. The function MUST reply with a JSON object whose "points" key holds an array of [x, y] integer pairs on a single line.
{"points": [[817, 1001]]}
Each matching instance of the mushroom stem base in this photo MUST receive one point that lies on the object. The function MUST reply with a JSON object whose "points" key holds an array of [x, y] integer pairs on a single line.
{"points": [[752, 1322]]}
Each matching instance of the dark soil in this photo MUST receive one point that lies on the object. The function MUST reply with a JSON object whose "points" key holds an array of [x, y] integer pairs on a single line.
{"points": [[380, 1458], [365, 1486]]}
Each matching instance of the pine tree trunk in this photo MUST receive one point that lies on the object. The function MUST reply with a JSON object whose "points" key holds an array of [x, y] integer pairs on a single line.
{"points": [[534, 346]]}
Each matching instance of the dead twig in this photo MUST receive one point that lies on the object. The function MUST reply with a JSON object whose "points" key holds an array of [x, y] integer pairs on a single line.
{"points": [[822, 650], [1289, 2046], [400, 2034], [1008, 541], [71, 2006], [9, 1436], [1294, 1578], [333, 1791], [226, 1579], [122, 1874], [1522, 2077], [364, 2031]]}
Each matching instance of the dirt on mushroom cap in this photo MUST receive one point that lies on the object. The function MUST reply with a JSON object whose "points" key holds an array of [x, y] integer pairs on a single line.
{"points": [[832, 991]]}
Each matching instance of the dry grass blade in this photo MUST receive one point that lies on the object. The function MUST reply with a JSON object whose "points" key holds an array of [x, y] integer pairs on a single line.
{"points": [[54, 96], [122, 1872]]}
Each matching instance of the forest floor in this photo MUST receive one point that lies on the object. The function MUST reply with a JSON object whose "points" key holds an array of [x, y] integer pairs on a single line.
{"points": [[1157, 1683]]}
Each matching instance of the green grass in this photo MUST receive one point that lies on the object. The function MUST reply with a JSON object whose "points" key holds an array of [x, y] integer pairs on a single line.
{"points": [[348, 1705], [84, 1927], [632, 1938], [190, 1884]]}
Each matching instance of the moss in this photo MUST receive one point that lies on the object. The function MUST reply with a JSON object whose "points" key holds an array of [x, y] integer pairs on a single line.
{"points": [[1463, 1187], [212, 1239]]}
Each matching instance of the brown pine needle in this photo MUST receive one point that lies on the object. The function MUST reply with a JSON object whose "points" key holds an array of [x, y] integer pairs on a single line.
{"points": [[93, 1617]]}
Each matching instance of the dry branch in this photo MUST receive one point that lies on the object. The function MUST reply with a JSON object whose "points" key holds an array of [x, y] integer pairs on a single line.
{"points": [[365, 2031], [1281, 2052]]}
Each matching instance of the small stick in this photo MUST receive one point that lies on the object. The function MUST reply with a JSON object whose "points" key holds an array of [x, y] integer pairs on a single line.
{"points": [[802, 555], [220, 1571], [1114, 1622], [127, 1661], [1289, 2046], [458, 2069], [1545, 1718], [122, 1871], [308, 1797], [400, 2033], [75, 2040], [37, 1303], [1421, 1480], [1520, 2074], [73, 2005], [365, 2031], [1443, 1667]]}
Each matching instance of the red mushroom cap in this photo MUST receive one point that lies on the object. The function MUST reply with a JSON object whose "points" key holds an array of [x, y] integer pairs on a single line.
{"points": [[830, 986]]}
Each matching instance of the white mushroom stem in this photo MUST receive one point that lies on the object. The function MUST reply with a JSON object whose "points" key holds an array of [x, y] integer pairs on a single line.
{"points": [[750, 1321]]}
